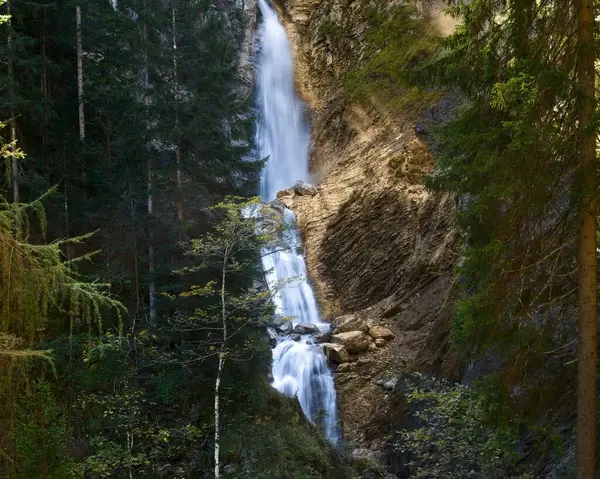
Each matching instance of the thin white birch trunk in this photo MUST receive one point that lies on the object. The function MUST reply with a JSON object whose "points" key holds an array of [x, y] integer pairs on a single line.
{"points": [[221, 363]]}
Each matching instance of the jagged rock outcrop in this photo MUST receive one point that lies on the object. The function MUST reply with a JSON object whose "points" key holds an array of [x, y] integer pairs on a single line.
{"points": [[380, 247]]}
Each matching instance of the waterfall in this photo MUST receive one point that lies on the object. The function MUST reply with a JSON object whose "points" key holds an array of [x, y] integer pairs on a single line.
{"points": [[299, 367]]}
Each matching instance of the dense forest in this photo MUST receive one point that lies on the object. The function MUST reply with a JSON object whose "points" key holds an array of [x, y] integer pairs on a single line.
{"points": [[133, 306], [127, 140]]}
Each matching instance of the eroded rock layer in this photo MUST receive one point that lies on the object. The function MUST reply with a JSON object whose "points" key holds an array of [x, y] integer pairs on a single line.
{"points": [[380, 248]]}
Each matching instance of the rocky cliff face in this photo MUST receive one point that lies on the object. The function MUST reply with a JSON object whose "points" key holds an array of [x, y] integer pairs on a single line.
{"points": [[380, 248]]}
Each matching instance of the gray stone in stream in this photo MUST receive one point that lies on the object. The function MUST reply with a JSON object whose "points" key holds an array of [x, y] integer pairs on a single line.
{"points": [[272, 336], [295, 337], [286, 327], [306, 328]]}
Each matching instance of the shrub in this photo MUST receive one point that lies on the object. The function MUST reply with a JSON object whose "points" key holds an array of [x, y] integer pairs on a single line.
{"points": [[459, 433]]}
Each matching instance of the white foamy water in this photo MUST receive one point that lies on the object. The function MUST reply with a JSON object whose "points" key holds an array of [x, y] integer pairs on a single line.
{"points": [[299, 367]]}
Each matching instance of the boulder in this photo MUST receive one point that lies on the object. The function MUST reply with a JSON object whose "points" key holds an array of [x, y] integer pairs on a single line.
{"points": [[379, 332], [278, 206], [322, 337], [421, 128], [348, 322], [284, 193], [390, 384], [304, 189], [272, 336], [354, 341], [295, 337], [336, 353], [286, 327], [380, 343], [306, 328]]}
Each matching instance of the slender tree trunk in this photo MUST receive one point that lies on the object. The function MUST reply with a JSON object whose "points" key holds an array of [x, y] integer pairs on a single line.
{"points": [[12, 122], [66, 202], [80, 75], [587, 350], [217, 413], [44, 85], [149, 178], [180, 212], [221, 364], [81, 115], [135, 256], [108, 147]]}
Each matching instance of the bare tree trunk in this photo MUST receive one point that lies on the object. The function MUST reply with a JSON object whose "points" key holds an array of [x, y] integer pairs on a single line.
{"points": [[80, 99], [221, 363], [66, 202], [108, 148], [149, 178], [14, 162], [180, 212], [80, 75], [151, 263], [135, 258], [587, 350], [44, 85]]}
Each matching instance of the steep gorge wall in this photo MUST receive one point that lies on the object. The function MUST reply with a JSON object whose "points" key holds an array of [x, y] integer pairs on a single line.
{"points": [[379, 246]]}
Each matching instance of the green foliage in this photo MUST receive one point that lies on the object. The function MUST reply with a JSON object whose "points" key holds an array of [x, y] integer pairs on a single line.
{"points": [[36, 283], [195, 131], [268, 447], [232, 305], [129, 432], [397, 41], [35, 277], [122, 420], [510, 159], [332, 30], [459, 435], [123, 400], [268, 438], [41, 436]]}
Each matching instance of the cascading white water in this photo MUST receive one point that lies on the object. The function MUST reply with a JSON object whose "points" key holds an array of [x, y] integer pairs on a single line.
{"points": [[299, 367]]}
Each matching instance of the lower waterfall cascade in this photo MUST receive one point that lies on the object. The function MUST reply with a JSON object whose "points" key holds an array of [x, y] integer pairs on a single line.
{"points": [[299, 367]]}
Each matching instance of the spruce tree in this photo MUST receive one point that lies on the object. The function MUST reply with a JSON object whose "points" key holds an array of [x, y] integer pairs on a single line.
{"points": [[521, 158]]}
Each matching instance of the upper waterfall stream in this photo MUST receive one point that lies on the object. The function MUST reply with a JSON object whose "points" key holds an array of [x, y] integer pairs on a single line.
{"points": [[299, 367]]}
